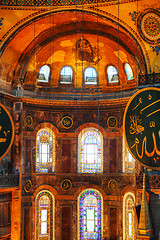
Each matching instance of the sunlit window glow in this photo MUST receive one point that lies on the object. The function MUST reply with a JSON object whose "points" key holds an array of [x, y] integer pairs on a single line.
{"points": [[45, 154], [129, 163], [90, 215], [44, 206], [90, 75], [112, 74], [90, 151], [66, 75], [128, 71], [44, 74], [129, 218]]}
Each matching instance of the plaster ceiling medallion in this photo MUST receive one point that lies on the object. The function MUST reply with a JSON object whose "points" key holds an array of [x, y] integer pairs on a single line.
{"points": [[149, 26]]}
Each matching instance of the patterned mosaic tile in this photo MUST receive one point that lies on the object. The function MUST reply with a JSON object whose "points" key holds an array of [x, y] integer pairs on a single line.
{"points": [[49, 2]]}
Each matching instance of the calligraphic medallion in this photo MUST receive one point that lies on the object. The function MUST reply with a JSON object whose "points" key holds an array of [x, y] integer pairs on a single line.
{"points": [[6, 131], [29, 121], [141, 124], [67, 122], [66, 184], [28, 186], [112, 185], [112, 122]]}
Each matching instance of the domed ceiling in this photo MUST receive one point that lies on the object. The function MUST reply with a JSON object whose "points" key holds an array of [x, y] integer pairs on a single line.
{"points": [[51, 38]]}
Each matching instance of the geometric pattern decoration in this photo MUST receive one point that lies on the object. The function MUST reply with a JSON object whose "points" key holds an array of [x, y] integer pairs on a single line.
{"points": [[50, 2], [1, 19], [148, 24], [90, 215]]}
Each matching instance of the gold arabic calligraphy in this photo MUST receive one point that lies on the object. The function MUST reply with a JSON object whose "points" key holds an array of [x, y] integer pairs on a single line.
{"points": [[135, 125], [5, 134], [144, 147], [137, 128]]}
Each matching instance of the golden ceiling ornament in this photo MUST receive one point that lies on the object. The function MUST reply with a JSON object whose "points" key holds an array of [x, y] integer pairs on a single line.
{"points": [[148, 24]]}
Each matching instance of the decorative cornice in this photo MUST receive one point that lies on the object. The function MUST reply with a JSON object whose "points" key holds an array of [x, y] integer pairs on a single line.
{"points": [[50, 3]]}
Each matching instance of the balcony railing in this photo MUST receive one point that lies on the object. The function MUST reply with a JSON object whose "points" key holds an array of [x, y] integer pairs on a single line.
{"points": [[80, 95], [9, 180], [149, 79]]}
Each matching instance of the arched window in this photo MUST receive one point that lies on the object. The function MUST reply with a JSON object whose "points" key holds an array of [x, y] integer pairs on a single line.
{"points": [[90, 76], [128, 71], [45, 151], [44, 74], [66, 75], [129, 163], [129, 218], [44, 207], [90, 215], [90, 144], [112, 74]]}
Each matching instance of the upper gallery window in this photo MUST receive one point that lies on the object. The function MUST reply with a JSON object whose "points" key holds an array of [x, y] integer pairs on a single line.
{"points": [[128, 71], [44, 215], [90, 76], [66, 74], [112, 74], [129, 219], [128, 161], [90, 215], [90, 142], [45, 155], [44, 74]]}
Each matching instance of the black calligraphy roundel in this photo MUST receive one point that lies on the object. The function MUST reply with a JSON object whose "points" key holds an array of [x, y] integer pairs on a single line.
{"points": [[6, 131], [141, 125]]}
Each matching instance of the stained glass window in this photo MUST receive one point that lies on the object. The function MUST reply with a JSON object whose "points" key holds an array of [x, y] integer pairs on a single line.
{"points": [[129, 220], [44, 215], [90, 75], [90, 215], [66, 75], [90, 151], [128, 71], [112, 74], [129, 163], [45, 153], [44, 74]]}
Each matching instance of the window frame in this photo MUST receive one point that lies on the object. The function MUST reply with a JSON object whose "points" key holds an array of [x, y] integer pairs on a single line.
{"points": [[107, 75], [72, 77], [81, 213], [49, 166], [130, 165], [82, 155], [84, 78], [128, 80], [50, 214], [129, 196], [43, 82]]}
